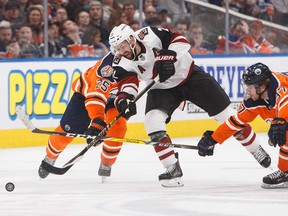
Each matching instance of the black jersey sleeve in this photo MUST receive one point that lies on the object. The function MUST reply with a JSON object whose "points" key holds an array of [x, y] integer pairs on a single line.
{"points": [[121, 73], [165, 36]]}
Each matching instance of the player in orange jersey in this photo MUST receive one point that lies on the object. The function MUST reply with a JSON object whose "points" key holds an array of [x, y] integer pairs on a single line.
{"points": [[266, 95], [88, 111]]}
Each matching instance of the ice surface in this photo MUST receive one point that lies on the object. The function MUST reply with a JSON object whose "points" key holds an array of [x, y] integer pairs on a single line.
{"points": [[225, 184]]}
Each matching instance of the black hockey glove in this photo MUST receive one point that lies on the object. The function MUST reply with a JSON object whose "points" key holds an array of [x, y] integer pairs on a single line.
{"points": [[206, 144], [164, 64], [97, 125], [277, 132], [125, 105]]}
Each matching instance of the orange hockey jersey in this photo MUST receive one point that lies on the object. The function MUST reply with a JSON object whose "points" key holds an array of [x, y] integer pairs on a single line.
{"points": [[276, 106], [96, 85]]}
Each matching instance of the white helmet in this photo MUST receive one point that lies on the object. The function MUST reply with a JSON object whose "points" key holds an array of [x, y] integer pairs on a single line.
{"points": [[119, 34]]}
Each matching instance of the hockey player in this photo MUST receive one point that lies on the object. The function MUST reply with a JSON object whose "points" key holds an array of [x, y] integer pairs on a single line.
{"points": [[150, 52], [90, 108], [265, 95]]}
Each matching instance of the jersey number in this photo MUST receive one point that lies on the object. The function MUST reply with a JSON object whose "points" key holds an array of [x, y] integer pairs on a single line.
{"points": [[102, 84]]}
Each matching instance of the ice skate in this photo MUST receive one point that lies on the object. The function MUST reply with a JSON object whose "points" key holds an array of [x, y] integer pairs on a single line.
{"points": [[104, 171], [41, 171], [262, 157], [277, 179], [172, 176]]}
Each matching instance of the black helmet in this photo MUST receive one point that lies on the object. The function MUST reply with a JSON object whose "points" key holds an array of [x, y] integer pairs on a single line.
{"points": [[256, 74]]}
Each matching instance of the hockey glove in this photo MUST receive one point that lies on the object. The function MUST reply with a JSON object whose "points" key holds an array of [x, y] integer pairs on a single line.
{"points": [[125, 105], [277, 132], [206, 144], [164, 64], [97, 125]]}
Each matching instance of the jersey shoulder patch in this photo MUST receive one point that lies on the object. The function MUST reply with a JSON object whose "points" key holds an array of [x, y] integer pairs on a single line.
{"points": [[107, 71], [143, 33]]}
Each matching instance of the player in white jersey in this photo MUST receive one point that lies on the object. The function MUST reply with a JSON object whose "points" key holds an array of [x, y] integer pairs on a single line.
{"points": [[149, 52]]}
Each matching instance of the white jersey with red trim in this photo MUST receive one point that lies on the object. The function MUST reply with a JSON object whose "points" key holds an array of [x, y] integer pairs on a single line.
{"points": [[152, 40]]}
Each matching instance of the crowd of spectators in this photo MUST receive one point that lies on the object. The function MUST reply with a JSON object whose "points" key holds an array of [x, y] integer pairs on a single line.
{"points": [[80, 28]]}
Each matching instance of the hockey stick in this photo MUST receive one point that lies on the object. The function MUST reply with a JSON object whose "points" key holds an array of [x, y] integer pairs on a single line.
{"points": [[26, 121], [60, 171]]}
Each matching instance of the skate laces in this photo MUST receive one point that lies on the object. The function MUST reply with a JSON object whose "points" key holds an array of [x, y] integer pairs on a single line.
{"points": [[277, 174]]}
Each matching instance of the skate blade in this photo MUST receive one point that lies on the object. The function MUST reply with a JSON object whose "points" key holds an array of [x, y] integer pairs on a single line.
{"points": [[103, 179], [176, 182], [275, 186]]}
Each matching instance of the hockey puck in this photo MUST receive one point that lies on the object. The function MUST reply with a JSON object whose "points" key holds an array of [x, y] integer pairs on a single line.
{"points": [[10, 186]]}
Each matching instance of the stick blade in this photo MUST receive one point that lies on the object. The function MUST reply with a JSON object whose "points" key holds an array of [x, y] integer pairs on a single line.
{"points": [[24, 118], [55, 170]]}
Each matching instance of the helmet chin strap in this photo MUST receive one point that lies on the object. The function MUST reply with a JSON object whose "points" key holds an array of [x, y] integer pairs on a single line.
{"points": [[261, 93], [133, 48]]}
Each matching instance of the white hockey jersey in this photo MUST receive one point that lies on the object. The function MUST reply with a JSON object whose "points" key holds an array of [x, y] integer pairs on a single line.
{"points": [[152, 40]]}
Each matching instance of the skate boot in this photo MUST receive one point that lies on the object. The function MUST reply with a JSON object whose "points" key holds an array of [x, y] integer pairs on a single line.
{"points": [[262, 157], [277, 179], [41, 171], [104, 171], [172, 176]]}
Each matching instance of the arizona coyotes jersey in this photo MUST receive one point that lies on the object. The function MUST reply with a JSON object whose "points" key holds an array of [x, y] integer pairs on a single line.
{"points": [[96, 85], [276, 106], [151, 41]]}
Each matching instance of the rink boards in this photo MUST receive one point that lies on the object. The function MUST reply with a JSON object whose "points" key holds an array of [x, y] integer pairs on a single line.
{"points": [[43, 88]]}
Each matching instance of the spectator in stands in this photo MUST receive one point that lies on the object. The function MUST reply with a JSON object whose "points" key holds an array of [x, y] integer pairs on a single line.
{"points": [[257, 39], [281, 15], [2, 6], [12, 50], [129, 10], [236, 36], [146, 3], [181, 26], [28, 49], [177, 6], [12, 14], [110, 7], [212, 27], [96, 19], [5, 35], [53, 5], [149, 13], [250, 8], [262, 9], [134, 25], [162, 13], [93, 36], [199, 46], [35, 2], [24, 5], [75, 6], [55, 48], [60, 15], [116, 18], [72, 39], [267, 10], [82, 20], [35, 20]]}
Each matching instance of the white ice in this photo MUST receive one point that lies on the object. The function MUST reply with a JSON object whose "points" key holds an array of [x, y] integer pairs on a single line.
{"points": [[225, 184]]}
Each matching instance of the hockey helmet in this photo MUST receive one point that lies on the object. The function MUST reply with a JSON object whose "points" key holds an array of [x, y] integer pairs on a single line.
{"points": [[119, 34], [256, 74]]}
